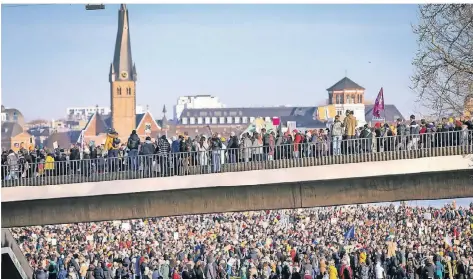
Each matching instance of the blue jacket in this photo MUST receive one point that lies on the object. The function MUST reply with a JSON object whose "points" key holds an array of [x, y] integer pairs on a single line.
{"points": [[175, 146]]}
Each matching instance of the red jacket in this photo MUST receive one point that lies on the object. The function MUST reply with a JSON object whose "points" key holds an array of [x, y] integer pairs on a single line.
{"points": [[297, 141]]}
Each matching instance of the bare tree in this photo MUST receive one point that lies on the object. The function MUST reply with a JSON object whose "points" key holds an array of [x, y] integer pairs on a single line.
{"points": [[443, 75]]}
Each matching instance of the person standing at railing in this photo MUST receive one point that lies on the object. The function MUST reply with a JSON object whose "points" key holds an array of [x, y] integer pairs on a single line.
{"points": [[349, 123], [401, 135], [297, 143], [163, 149], [13, 165], [112, 143], [216, 147], [175, 153], [271, 146], [233, 145], [414, 130], [147, 150], [133, 145], [257, 148], [337, 135], [246, 147], [74, 158]]}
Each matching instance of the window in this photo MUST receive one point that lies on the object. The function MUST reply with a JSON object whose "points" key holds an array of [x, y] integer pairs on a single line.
{"points": [[348, 99], [147, 127], [244, 119], [207, 120], [229, 120], [15, 116], [214, 120], [192, 120], [222, 120], [237, 120], [184, 120], [252, 119], [128, 91], [353, 98], [199, 120], [338, 99], [119, 91], [31, 140]]}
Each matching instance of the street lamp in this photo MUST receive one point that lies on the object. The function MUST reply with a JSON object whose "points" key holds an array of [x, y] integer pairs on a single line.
{"points": [[94, 7]]}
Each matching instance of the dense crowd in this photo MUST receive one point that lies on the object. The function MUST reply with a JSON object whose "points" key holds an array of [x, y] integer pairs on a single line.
{"points": [[363, 242], [164, 156]]}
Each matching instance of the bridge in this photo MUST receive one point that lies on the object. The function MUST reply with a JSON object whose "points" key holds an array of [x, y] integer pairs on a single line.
{"points": [[438, 173]]}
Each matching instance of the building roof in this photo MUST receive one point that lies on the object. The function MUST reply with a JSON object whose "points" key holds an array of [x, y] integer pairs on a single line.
{"points": [[250, 112], [100, 123], [122, 60], [11, 129], [40, 131], [304, 122], [390, 113], [63, 139], [345, 84]]}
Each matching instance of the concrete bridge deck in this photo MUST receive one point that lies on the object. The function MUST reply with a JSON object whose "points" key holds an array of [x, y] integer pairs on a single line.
{"points": [[411, 179]]}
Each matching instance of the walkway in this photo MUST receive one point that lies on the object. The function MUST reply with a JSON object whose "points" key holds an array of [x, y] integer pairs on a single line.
{"points": [[186, 164]]}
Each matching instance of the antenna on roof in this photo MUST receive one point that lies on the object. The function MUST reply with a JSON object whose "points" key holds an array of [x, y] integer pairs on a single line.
{"points": [[345, 72]]}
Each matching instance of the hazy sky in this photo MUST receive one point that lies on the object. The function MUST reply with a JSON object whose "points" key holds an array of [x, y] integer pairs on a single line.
{"points": [[58, 56]]}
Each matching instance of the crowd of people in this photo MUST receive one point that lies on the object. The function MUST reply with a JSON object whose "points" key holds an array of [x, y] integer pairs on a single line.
{"points": [[349, 242], [164, 156]]}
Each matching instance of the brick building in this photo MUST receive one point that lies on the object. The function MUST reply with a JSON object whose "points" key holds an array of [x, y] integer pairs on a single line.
{"points": [[122, 77]]}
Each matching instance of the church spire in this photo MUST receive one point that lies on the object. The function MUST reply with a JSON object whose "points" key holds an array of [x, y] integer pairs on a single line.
{"points": [[122, 61]]}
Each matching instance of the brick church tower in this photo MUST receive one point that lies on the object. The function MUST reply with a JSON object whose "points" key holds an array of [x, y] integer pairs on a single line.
{"points": [[122, 79]]}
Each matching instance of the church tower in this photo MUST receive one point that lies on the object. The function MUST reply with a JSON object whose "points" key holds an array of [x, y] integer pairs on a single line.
{"points": [[122, 79]]}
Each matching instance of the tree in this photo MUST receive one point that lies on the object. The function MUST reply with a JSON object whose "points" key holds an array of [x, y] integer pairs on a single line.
{"points": [[443, 75]]}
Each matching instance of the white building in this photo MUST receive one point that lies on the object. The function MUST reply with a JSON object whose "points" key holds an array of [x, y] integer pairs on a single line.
{"points": [[86, 112], [195, 102]]}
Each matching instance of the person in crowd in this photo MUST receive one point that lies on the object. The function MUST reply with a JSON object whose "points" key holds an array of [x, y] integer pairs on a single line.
{"points": [[133, 145], [185, 155]]}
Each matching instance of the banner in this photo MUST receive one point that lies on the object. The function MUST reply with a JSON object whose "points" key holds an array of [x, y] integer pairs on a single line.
{"points": [[379, 104]]}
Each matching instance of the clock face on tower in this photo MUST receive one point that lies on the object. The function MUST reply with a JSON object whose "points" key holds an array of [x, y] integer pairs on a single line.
{"points": [[124, 74]]}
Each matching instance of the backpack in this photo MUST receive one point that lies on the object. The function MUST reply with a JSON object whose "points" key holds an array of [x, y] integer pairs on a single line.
{"points": [[52, 267], [116, 142]]}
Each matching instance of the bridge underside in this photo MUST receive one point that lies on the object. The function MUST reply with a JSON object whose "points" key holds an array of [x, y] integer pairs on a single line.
{"points": [[421, 186]]}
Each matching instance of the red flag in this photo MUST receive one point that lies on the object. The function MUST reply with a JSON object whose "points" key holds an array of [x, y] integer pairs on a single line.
{"points": [[276, 121], [378, 104]]}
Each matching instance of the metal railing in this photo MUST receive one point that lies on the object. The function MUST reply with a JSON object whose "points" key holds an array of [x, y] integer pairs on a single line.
{"points": [[324, 151]]}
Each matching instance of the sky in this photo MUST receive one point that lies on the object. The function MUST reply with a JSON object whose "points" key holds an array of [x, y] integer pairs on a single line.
{"points": [[58, 56]]}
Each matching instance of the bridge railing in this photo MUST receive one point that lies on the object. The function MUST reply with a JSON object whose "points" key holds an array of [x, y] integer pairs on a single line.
{"points": [[255, 157]]}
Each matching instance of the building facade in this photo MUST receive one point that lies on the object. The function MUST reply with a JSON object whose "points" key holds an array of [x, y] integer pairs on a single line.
{"points": [[348, 95], [122, 78], [195, 102], [124, 116]]}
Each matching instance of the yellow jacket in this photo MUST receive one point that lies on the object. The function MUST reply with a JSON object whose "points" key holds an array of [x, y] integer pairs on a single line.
{"points": [[109, 142], [362, 257], [332, 272], [49, 163], [350, 125]]}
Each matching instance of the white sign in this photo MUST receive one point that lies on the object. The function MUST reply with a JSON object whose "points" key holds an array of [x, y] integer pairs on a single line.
{"points": [[291, 126], [55, 146], [125, 226], [428, 216], [53, 242], [176, 235]]}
